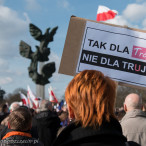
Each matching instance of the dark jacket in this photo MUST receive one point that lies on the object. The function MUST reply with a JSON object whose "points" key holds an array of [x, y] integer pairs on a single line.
{"points": [[48, 124], [17, 140], [33, 132], [108, 134]]}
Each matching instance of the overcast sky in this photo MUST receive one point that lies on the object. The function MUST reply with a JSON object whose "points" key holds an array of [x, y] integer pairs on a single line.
{"points": [[15, 16]]}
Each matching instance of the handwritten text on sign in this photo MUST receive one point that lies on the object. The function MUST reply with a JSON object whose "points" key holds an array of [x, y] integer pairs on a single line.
{"points": [[118, 52]]}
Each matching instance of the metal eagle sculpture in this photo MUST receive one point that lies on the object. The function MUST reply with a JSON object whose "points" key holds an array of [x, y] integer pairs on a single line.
{"points": [[40, 55]]}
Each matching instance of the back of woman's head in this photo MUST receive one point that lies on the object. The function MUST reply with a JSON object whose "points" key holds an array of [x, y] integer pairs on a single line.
{"points": [[91, 96]]}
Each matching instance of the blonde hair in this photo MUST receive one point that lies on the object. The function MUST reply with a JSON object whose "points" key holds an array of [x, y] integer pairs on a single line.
{"points": [[91, 96]]}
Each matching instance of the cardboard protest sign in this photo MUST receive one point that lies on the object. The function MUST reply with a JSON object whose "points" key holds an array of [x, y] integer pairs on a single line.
{"points": [[118, 52]]}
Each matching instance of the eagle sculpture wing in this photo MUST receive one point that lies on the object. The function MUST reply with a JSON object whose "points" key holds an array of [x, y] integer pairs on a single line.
{"points": [[25, 50], [50, 35], [35, 32], [48, 69]]}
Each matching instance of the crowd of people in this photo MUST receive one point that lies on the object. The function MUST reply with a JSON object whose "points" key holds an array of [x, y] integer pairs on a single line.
{"points": [[88, 118]]}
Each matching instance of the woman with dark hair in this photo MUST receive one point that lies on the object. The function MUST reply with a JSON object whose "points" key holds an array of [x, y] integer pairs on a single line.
{"points": [[90, 97], [3, 111]]}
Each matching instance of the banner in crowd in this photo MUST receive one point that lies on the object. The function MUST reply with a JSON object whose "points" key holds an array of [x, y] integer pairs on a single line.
{"points": [[119, 52]]}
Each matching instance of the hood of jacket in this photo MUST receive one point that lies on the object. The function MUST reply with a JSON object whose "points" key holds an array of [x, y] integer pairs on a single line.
{"points": [[133, 114]]}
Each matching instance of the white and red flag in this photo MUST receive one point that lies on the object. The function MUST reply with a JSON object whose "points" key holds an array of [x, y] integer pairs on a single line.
{"points": [[24, 99], [32, 99], [52, 96], [104, 13]]}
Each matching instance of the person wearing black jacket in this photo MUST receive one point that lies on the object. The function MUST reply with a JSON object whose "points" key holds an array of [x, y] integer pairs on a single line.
{"points": [[47, 123], [90, 97], [3, 112], [19, 123], [108, 134]]}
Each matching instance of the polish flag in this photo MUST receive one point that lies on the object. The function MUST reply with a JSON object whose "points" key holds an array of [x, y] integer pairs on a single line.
{"points": [[52, 95], [104, 13], [24, 99], [32, 99]]}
